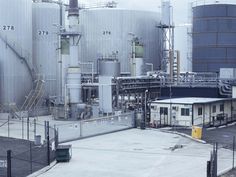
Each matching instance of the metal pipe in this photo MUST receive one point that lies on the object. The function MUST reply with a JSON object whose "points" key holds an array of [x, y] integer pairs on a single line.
{"points": [[233, 150], [145, 116], [89, 63]]}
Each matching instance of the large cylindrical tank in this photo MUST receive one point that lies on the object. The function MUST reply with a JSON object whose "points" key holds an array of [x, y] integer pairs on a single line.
{"points": [[214, 37], [15, 47], [110, 31], [46, 26], [109, 68]]}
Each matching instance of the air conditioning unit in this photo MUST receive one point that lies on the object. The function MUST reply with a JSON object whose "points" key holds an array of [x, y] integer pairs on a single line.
{"points": [[175, 108]]}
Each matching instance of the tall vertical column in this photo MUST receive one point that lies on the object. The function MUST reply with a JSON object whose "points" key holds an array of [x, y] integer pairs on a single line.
{"points": [[73, 71]]}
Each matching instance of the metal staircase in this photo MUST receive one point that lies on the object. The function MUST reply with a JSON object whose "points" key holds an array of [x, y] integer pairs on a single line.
{"points": [[34, 96]]}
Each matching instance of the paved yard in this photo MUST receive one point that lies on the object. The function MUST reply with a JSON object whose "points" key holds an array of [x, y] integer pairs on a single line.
{"points": [[137, 153]]}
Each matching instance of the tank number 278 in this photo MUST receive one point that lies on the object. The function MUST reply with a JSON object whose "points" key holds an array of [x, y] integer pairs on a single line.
{"points": [[8, 28], [43, 32]]}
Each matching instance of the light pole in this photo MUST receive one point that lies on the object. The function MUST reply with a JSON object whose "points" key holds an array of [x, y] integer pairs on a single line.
{"points": [[145, 108], [171, 119]]}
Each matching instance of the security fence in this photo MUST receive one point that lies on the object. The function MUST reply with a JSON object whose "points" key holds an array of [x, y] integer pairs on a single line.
{"points": [[30, 143], [26, 146], [216, 161], [34, 129], [93, 127], [220, 120], [25, 128]]}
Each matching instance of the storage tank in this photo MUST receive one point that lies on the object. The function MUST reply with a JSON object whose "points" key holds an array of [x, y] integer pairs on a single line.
{"points": [[109, 67], [110, 31], [15, 47], [214, 37], [47, 23]]}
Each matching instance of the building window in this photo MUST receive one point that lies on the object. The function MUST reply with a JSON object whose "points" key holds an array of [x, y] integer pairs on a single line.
{"points": [[214, 108], [222, 108], [199, 111], [184, 112], [163, 111]]}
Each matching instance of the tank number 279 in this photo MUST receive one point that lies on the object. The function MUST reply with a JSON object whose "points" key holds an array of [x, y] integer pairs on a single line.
{"points": [[8, 28], [43, 32]]}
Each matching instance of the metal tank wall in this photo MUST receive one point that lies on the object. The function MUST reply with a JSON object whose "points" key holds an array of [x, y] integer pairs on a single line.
{"points": [[109, 68], [106, 31], [16, 29], [214, 37], [46, 26]]}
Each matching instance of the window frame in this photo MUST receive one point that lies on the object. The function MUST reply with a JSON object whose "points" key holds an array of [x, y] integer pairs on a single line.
{"points": [[199, 111], [222, 107], [164, 111], [214, 109], [185, 112]]}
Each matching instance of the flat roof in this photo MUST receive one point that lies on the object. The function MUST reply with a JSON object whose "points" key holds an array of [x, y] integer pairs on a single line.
{"points": [[190, 100]]}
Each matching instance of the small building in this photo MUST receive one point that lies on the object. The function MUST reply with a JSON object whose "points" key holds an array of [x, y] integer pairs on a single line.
{"points": [[192, 111]]}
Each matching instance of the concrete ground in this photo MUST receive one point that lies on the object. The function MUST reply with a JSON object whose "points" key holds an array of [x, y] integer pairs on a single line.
{"points": [[131, 153], [138, 153]]}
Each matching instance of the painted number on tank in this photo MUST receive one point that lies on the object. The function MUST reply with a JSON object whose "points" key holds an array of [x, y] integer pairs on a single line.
{"points": [[43, 32], [8, 28], [106, 33]]}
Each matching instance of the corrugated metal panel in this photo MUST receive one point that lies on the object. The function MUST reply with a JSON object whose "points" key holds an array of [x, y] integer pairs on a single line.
{"points": [[227, 25], [227, 39], [209, 53], [214, 37], [204, 39], [107, 31], [46, 25], [16, 28]]}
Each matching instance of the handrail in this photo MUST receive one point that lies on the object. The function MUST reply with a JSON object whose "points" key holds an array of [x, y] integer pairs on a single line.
{"points": [[20, 55], [4, 123]]}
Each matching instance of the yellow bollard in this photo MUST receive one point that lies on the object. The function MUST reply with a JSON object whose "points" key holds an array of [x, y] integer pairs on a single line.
{"points": [[197, 132]]}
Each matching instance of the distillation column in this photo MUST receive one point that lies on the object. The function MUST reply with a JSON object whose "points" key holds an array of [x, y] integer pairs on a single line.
{"points": [[74, 71]]}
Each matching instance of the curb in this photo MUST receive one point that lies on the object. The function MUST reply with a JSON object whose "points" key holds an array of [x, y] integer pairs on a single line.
{"points": [[223, 172], [184, 135], [43, 170]]}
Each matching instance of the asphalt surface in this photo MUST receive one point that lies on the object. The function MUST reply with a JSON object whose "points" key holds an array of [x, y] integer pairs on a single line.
{"points": [[223, 136]]}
